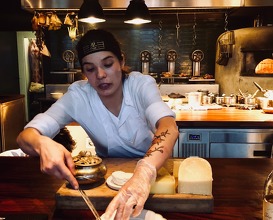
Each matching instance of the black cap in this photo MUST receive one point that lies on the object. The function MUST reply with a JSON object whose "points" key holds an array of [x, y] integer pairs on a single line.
{"points": [[98, 40]]}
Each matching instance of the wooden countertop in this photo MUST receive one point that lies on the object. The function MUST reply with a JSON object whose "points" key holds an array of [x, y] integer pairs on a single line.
{"points": [[225, 117], [237, 190]]}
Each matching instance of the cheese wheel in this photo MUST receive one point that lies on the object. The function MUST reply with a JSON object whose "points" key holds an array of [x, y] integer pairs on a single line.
{"points": [[195, 176], [164, 183]]}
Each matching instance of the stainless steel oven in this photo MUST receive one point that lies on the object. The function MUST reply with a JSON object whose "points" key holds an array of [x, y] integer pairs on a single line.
{"points": [[224, 143]]}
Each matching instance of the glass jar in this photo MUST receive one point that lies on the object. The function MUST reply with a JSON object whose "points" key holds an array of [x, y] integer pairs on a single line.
{"points": [[268, 198]]}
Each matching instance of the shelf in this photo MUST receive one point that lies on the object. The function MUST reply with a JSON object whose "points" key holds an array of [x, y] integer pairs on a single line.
{"points": [[202, 80]]}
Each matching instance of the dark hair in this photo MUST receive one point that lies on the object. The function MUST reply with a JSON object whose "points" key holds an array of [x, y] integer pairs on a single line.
{"points": [[64, 137]]}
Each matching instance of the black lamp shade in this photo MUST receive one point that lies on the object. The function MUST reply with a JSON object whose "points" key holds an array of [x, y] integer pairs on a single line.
{"points": [[137, 9], [91, 12]]}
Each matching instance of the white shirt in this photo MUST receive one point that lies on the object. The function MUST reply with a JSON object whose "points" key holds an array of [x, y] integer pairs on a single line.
{"points": [[128, 135]]}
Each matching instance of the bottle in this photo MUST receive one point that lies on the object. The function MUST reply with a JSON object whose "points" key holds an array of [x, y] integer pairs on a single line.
{"points": [[268, 198]]}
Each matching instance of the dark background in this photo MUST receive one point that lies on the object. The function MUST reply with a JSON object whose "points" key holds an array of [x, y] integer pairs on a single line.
{"points": [[210, 24]]}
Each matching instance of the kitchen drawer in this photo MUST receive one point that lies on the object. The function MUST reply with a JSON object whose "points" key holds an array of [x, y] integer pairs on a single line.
{"points": [[242, 136], [240, 150]]}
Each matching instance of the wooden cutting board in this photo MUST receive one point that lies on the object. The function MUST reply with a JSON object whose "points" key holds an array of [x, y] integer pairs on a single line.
{"points": [[101, 195]]}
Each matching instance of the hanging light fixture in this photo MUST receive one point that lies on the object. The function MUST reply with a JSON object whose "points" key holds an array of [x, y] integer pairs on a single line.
{"points": [[137, 13], [91, 12]]}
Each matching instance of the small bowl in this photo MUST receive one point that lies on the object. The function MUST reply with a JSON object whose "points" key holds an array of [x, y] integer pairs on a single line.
{"points": [[89, 168], [56, 95]]}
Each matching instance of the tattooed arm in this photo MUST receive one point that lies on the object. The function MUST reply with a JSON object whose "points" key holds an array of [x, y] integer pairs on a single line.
{"points": [[132, 196], [163, 142]]}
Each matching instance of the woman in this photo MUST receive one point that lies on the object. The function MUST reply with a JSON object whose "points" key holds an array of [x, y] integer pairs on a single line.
{"points": [[123, 114]]}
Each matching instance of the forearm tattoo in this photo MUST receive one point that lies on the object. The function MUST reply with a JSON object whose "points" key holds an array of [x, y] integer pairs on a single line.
{"points": [[158, 139]]}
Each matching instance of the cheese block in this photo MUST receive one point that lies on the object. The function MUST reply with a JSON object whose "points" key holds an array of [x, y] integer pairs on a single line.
{"points": [[164, 184], [195, 176], [176, 165]]}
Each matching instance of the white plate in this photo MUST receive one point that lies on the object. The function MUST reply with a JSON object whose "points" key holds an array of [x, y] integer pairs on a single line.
{"points": [[144, 215], [111, 184]]}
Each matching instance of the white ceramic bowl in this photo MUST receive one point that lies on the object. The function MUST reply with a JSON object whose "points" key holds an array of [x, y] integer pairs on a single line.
{"points": [[56, 95]]}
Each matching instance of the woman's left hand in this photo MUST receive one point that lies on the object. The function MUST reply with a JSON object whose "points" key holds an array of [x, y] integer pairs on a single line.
{"points": [[132, 196]]}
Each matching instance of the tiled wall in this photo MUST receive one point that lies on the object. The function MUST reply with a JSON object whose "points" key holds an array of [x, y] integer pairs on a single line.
{"points": [[135, 39]]}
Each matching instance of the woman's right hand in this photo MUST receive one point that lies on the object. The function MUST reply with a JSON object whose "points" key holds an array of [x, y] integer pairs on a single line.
{"points": [[55, 159]]}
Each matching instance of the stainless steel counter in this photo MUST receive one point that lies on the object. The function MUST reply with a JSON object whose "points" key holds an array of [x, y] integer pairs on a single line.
{"points": [[12, 120]]}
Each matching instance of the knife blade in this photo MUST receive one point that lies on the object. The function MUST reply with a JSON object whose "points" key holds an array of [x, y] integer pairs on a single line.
{"points": [[90, 204]]}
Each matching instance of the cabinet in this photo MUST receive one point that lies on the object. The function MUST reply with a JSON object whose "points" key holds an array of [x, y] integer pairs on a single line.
{"points": [[224, 143], [12, 120]]}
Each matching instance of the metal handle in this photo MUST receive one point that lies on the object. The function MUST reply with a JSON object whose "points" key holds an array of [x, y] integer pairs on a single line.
{"points": [[259, 87], [90, 204]]}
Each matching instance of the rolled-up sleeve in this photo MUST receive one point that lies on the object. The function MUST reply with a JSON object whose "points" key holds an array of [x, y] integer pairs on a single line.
{"points": [[45, 124], [147, 96], [158, 110]]}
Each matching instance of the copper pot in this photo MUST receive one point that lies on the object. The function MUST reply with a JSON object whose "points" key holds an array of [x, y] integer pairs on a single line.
{"points": [[89, 168]]}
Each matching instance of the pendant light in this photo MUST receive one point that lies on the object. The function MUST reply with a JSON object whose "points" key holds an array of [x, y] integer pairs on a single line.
{"points": [[91, 12], [137, 13]]}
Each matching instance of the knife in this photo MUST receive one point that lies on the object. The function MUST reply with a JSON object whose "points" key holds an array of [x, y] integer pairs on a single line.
{"points": [[90, 204]]}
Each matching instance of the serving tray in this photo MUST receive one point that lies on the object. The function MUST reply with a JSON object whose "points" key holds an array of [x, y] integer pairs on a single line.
{"points": [[101, 195]]}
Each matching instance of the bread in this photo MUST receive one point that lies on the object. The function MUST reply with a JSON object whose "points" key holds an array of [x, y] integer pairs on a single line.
{"points": [[265, 67]]}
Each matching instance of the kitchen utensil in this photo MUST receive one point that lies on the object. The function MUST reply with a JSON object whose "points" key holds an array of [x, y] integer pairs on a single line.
{"points": [[69, 57], [255, 93], [171, 57], [262, 102], [241, 93], [219, 100], [206, 100], [196, 56], [89, 204], [145, 57], [267, 93], [194, 98], [227, 100], [249, 103], [259, 87]]}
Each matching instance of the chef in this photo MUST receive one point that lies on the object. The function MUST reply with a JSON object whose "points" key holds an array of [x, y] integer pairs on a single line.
{"points": [[122, 113]]}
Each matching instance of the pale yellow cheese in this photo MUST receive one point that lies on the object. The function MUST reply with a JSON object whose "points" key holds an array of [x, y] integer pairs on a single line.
{"points": [[176, 165], [195, 176], [164, 184]]}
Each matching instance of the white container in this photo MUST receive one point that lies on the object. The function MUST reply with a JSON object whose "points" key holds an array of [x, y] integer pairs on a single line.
{"points": [[194, 98]]}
